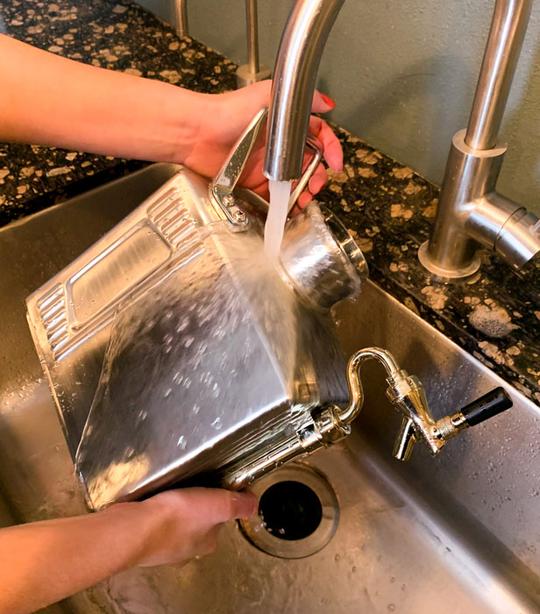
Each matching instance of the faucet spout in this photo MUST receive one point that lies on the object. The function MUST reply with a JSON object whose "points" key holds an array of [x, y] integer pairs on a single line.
{"points": [[519, 238], [295, 75]]}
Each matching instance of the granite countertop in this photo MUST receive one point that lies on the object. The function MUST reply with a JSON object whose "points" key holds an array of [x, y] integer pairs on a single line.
{"points": [[389, 208]]}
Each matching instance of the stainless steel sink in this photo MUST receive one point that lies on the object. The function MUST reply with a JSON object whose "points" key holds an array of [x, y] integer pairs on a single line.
{"points": [[459, 533]]}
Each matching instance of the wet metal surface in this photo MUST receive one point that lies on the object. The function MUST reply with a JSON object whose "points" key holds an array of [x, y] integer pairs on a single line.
{"points": [[459, 533]]}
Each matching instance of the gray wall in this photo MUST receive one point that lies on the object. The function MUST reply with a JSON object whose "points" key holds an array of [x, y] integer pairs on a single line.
{"points": [[402, 74]]}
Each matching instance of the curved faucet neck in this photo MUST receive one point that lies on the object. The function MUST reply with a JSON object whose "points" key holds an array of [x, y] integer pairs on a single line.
{"points": [[295, 75]]}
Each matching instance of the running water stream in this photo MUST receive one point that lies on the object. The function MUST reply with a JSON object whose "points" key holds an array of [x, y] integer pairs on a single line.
{"points": [[280, 192]]}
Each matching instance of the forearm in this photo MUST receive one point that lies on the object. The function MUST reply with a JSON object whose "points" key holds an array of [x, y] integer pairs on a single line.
{"points": [[44, 562], [49, 100]]}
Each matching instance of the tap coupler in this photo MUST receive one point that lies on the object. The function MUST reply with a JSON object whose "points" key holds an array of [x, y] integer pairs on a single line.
{"points": [[325, 426]]}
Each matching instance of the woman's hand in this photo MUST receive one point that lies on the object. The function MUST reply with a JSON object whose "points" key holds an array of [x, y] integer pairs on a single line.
{"points": [[225, 116], [43, 562], [190, 520]]}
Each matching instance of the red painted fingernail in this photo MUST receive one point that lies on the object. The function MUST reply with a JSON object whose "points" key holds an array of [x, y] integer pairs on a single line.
{"points": [[331, 103]]}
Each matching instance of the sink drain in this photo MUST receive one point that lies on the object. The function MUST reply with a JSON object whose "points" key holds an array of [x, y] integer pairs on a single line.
{"points": [[298, 513], [290, 510]]}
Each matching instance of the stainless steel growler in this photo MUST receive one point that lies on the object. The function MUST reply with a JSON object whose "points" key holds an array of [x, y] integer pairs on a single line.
{"points": [[173, 352]]}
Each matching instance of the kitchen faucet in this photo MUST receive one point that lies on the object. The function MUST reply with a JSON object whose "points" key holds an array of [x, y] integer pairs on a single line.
{"points": [[470, 213]]}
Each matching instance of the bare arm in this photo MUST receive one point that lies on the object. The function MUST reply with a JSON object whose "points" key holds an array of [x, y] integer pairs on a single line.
{"points": [[49, 100], [44, 562]]}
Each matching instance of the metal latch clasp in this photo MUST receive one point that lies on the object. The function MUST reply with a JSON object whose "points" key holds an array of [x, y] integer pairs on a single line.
{"points": [[221, 190], [222, 187]]}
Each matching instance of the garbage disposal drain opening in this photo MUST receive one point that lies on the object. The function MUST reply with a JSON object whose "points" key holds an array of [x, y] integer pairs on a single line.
{"points": [[298, 512], [290, 510]]}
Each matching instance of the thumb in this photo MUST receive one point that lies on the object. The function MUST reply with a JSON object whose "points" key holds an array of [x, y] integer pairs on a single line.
{"points": [[322, 103], [258, 95], [244, 505], [228, 505]]}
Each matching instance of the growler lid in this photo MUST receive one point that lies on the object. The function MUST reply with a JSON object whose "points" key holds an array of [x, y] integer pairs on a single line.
{"points": [[321, 259]]}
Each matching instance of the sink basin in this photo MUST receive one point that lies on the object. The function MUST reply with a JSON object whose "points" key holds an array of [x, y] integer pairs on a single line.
{"points": [[456, 533]]}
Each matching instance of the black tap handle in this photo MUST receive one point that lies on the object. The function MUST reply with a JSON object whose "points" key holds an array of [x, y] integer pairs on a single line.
{"points": [[490, 404]]}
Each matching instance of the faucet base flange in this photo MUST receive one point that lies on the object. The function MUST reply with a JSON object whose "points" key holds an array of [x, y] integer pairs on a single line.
{"points": [[458, 273], [245, 76]]}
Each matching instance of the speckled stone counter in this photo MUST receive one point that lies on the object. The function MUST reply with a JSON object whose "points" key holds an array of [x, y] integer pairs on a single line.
{"points": [[115, 35], [389, 208], [495, 314]]}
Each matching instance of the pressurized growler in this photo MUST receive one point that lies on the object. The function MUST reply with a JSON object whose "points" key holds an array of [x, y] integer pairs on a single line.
{"points": [[175, 352]]}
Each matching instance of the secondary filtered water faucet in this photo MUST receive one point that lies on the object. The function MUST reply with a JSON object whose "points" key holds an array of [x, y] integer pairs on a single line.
{"points": [[470, 213]]}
